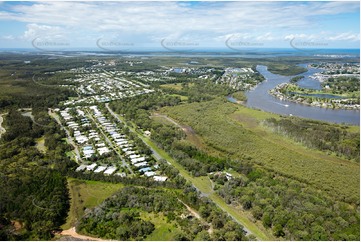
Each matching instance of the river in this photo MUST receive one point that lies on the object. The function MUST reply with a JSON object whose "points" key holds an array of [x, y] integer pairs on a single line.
{"points": [[260, 99]]}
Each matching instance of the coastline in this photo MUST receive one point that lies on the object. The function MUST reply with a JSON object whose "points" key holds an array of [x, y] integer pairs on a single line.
{"points": [[333, 104]]}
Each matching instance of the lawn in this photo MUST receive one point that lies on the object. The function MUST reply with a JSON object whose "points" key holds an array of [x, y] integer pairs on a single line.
{"points": [[86, 194], [238, 132]]}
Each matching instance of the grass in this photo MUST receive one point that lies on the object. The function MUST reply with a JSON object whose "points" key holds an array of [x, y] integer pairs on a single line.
{"points": [[238, 132], [40, 144], [164, 231], [86, 194], [162, 120], [176, 86], [182, 98]]}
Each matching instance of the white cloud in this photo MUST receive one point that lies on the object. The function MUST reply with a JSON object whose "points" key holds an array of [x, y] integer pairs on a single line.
{"points": [[345, 36], [42, 31], [7, 37], [154, 21]]}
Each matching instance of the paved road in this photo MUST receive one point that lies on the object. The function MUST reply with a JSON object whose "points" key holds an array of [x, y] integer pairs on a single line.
{"points": [[156, 155], [110, 143], [231, 211]]}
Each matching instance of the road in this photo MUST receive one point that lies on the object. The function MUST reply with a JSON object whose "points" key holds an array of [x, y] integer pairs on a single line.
{"points": [[110, 143], [234, 213], [70, 139], [2, 130], [72, 232]]}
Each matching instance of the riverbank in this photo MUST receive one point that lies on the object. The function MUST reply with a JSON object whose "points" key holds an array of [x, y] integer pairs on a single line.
{"points": [[314, 100]]}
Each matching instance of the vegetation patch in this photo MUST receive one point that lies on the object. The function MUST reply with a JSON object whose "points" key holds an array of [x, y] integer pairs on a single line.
{"points": [[212, 121], [86, 194]]}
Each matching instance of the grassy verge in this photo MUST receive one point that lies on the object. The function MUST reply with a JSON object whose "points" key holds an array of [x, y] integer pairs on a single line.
{"points": [[86, 194]]}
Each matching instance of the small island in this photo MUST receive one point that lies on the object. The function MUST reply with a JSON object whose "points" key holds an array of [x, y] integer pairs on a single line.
{"points": [[340, 90]]}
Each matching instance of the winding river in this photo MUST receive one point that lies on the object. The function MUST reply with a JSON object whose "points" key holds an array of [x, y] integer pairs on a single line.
{"points": [[260, 99]]}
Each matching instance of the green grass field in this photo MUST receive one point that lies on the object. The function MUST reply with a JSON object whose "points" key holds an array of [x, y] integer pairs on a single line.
{"points": [[238, 131], [86, 194], [164, 230], [176, 86]]}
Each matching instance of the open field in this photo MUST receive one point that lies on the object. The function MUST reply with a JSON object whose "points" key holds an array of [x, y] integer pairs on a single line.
{"points": [[238, 131], [176, 86], [86, 194], [40, 144], [164, 230]]}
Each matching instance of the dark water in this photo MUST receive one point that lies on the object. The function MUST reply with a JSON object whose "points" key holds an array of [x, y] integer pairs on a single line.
{"points": [[259, 98]]}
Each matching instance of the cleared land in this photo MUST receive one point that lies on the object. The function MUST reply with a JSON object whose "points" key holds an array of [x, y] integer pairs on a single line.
{"points": [[40, 145], [237, 131], [86, 194]]}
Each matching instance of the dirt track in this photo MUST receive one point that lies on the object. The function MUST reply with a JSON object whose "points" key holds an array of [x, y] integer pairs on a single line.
{"points": [[2, 130], [191, 134], [71, 232]]}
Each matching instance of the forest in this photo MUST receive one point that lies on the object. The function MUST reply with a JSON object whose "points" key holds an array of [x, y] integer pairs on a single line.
{"points": [[319, 135], [276, 199], [297, 178], [131, 214], [33, 193], [292, 210]]}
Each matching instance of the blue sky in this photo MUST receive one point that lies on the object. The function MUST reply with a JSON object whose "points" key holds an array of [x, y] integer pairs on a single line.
{"points": [[179, 25]]}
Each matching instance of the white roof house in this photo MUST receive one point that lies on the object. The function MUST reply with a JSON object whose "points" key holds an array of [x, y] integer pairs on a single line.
{"points": [[81, 168], [134, 156], [136, 160], [91, 167], [149, 173], [110, 170], [103, 150], [100, 169], [160, 178], [141, 164]]}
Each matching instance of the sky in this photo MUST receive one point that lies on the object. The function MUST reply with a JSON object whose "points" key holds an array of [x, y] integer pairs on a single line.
{"points": [[171, 25]]}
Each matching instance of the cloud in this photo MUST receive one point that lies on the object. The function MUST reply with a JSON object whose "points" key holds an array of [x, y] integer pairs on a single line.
{"points": [[345, 36], [154, 21], [7, 37], [42, 31]]}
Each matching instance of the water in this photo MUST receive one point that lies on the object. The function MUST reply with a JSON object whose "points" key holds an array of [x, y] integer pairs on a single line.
{"points": [[259, 98], [307, 81]]}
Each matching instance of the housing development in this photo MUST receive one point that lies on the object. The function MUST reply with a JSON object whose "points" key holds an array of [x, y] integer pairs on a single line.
{"points": [[179, 121]]}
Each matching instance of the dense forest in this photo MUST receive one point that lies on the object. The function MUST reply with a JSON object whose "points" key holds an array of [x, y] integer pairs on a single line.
{"points": [[33, 193], [294, 211], [319, 135]]}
